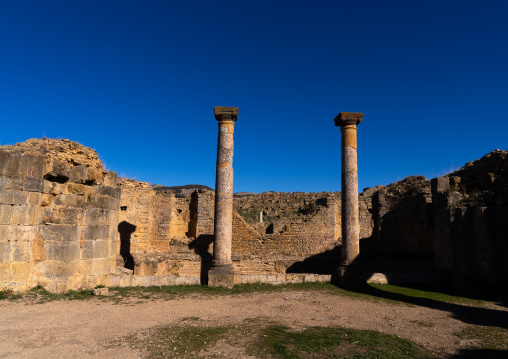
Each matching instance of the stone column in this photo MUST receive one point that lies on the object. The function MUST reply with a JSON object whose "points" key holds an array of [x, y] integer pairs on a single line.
{"points": [[221, 274], [350, 213]]}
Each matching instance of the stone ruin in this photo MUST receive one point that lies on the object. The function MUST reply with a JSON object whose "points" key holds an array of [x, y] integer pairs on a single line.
{"points": [[67, 223]]}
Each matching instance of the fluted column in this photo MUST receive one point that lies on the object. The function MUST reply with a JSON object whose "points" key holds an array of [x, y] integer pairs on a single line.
{"points": [[222, 274], [350, 213]]}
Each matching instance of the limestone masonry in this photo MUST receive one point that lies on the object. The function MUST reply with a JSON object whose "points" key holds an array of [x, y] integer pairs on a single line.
{"points": [[67, 223]]}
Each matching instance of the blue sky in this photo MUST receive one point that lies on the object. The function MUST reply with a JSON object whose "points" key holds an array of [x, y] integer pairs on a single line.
{"points": [[138, 80]]}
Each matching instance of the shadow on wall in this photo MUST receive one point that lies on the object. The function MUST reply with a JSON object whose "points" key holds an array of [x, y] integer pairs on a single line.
{"points": [[126, 229], [322, 263], [201, 247]]}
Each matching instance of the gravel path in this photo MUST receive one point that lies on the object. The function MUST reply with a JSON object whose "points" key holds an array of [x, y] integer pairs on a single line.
{"points": [[83, 328]]}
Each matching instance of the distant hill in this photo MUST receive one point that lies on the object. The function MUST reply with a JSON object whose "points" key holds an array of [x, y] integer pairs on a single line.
{"points": [[181, 191]]}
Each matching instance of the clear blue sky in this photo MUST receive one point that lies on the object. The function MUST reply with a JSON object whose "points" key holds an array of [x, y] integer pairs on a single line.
{"points": [[138, 80]]}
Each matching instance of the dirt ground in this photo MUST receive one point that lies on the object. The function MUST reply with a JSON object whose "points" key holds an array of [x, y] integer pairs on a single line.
{"points": [[84, 328]]}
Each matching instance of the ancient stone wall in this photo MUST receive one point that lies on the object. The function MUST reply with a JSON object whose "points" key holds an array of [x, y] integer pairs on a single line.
{"points": [[470, 232], [401, 216], [58, 216]]}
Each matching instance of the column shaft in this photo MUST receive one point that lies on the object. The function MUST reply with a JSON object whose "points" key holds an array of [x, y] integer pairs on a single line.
{"points": [[350, 213], [224, 194], [222, 274], [349, 166]]}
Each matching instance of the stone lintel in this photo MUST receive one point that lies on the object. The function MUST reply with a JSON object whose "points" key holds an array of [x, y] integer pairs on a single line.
{"points": [[348, 118], [225, 113]]}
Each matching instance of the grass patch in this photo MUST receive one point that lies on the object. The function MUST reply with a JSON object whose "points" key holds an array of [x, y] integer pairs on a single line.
{"points": [[175, 341], [336, 342], [373, 292], [274, 341], [482, 337]]}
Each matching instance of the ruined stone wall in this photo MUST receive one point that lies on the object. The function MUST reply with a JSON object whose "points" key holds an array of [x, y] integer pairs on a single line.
{"points": [[400, 216], [470, 233], [58, 216], [150, 220]]}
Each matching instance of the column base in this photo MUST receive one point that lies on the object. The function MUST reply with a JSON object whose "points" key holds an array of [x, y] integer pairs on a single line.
{"points": [[221, 275], [349, 276]]}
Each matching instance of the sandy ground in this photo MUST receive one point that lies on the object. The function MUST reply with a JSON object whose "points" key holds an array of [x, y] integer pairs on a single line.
{"points": [[84, 328]]}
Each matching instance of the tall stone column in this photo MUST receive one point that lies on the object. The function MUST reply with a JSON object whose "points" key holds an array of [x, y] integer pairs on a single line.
{"points": [[350, 213], [221, 274]]}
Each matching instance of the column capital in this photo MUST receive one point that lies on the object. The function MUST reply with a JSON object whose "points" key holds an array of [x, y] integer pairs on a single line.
{"points": [[348, 119], [225, 113]]}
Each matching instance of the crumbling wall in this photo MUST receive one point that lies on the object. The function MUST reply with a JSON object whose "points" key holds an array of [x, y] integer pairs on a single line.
{"points": [[401, 218], [58, 216], [471, 222]]}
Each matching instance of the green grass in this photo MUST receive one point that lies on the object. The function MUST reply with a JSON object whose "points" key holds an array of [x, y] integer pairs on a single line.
{"points": [[373, 292], [494, 338], [174, 341], [336, 342], [259, 339]]}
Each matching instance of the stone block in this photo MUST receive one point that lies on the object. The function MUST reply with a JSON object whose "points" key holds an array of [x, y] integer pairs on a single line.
{"points": [[87, 250], [5, 214], [109, 191], [62, 251], [69, 200], [221, 276], [38, 248], [96, 216], [110, 179], [106, 202], [46, 199], [21, 251], [4, 161], [12, 182], [32, 165], [74, 216], [34, 199], [53, 187], [113, 247], [76, 188], [12, 164], [440, 185], [61, 270], [100, 291], [101, 267], [60, 172], [96, 232], [20, 272], [13, 197], [93, 176], [60, 232], [100, 249], [5, 272], [5, 252], [24, 215], [77, 174], [33, 184], [16, 233]]}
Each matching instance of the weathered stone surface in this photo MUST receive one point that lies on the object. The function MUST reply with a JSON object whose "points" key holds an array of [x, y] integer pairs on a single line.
{"points": [[94, 232], [33, 184], [78, 174], [38, 248], [5, 252], [62, 251], [5, 214], [60, 232], [24, 215], [21, 251]]}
